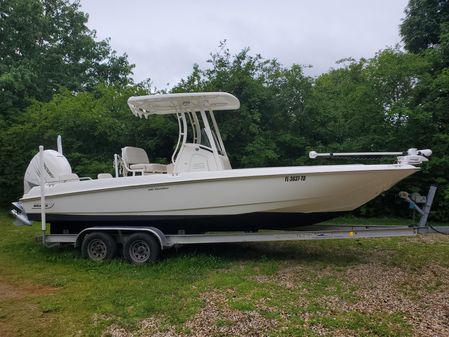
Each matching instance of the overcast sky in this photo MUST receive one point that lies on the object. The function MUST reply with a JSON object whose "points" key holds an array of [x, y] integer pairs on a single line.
{"points": [[165, 38]]}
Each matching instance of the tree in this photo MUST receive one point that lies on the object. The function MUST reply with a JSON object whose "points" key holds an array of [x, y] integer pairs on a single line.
{"points": [[264, 131], [376, 105], [425, 30], [94, 125], [45, 44], [423, 24]]}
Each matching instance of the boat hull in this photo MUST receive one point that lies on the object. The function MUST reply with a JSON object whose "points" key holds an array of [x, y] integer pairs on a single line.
{"points": [[192, 224], [245, 199]]}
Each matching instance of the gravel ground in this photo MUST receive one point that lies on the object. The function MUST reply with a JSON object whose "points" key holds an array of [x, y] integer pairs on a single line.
{"points": [[215, 319], [419, 297], [381, 289]]}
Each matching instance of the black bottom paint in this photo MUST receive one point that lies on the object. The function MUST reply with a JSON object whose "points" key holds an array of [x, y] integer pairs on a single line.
{"points": [[69, 224]]}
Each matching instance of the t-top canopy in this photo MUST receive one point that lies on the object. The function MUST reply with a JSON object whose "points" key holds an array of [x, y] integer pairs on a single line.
{"points": [[142, 106]]}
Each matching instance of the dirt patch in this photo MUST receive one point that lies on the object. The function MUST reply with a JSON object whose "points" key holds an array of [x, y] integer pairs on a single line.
{"points": [[9, 291], [215, 319], [294, 277], [15, 310], [7, 330], [287, 277]]}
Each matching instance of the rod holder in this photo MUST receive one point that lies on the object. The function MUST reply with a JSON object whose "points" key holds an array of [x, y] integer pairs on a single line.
{"points": [[59, 144], [42, 186]]}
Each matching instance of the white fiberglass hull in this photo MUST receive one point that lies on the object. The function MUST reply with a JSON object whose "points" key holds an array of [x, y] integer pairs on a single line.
{"points": [[219, 200]]}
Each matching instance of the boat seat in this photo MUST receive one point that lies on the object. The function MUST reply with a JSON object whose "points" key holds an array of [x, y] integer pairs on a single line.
{"points": [[63, 178], [153, 168], [135, 160], [104, 176]]}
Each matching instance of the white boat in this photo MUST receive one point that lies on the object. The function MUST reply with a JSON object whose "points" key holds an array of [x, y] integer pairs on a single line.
{"points": [[199, 191]]}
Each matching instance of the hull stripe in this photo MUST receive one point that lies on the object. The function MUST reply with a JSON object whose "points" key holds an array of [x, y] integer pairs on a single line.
{"points": [[191, 224]]}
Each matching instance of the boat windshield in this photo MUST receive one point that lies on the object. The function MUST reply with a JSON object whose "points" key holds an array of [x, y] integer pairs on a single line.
{"points": [[197, 131], [204, 139], [206, 142]]}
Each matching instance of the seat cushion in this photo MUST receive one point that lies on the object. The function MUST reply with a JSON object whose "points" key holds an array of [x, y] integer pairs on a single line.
{"points": [[63, 178], [134, 155], [150, 168], [104, 175]]}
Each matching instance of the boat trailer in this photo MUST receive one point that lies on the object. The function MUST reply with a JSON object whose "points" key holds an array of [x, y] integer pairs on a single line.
{"points": [[158, 241], [144, 244]]}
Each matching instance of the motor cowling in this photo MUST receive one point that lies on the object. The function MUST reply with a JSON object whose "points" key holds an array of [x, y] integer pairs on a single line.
{"points": [[55, 166]]}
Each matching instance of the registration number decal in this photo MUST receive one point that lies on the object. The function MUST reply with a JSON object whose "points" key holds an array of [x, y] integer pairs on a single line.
{"points": [[294, 178]]}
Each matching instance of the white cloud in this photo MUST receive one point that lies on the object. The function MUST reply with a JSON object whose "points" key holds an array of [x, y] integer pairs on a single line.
{"points": [[165, 38]]}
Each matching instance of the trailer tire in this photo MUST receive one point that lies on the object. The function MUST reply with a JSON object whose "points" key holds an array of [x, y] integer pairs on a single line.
{"points": [[98, 246], [141, 248]]}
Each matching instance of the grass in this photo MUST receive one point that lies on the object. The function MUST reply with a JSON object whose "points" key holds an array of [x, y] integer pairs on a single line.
{"points": [[276, 289]]}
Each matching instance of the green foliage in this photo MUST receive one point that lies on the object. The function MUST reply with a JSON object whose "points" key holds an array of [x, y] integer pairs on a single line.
{"points": [[94, 126], [433, 101], [426, 30], [45, 44], [267, 128], [365, 105], [423, 24]]}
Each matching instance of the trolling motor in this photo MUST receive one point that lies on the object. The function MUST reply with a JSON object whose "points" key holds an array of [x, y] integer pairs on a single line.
{"points": [[412, 156]]}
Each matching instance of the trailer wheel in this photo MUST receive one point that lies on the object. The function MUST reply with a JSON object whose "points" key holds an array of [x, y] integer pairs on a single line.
{"points": [[141, 248], [98, 246]]}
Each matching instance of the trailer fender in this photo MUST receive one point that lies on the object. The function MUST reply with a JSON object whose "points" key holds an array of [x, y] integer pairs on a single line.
{"points": [[157, 233]]}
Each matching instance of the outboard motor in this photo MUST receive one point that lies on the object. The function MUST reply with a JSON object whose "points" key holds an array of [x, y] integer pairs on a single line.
{"points": [[55, 166]]}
